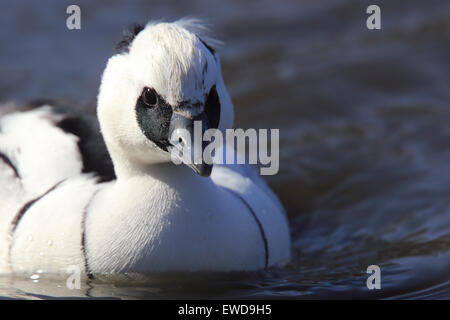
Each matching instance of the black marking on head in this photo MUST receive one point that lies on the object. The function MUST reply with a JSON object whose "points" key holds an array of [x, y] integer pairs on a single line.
{"points": [[124, 44], [155, 121], [91, 145], [212, 108], [210, 49], [8, 162]]}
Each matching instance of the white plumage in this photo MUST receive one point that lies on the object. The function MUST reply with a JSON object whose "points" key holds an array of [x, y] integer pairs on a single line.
{"points": [[155, 216]]}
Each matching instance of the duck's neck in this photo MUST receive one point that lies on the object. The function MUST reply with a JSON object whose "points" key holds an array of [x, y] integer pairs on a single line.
{"points": [[126, 169]]}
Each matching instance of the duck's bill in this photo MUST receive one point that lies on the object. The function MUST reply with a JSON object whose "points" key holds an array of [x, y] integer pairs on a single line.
{"points": [[202, 169], [185, 147], [186, 156]]}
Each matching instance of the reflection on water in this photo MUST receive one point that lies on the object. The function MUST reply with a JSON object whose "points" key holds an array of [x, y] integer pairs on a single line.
{"points": [[363, 118]]}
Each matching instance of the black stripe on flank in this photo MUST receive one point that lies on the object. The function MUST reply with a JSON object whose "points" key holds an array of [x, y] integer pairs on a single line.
{"points": [[258, 222], [83, 237], [6, 160], [15, 222]]}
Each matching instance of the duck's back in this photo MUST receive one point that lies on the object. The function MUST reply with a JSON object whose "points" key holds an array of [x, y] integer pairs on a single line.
{"points": [[41, 148]]}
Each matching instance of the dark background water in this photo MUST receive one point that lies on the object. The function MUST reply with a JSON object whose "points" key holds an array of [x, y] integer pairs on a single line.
{"points": [[364, 128]]}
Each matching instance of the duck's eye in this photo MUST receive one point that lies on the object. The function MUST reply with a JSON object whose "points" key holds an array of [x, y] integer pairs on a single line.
{"points": [[149, 97]]}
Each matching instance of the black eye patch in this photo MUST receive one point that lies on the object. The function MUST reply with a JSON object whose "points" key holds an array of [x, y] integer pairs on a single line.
{"points": [[154, 114], [212, 108], [154, 121]]}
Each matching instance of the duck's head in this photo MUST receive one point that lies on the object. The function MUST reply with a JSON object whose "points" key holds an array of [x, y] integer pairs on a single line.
{"points": [[164, 77]]}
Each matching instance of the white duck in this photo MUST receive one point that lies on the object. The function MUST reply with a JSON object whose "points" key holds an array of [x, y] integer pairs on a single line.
{"points": [[64, 204]]}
